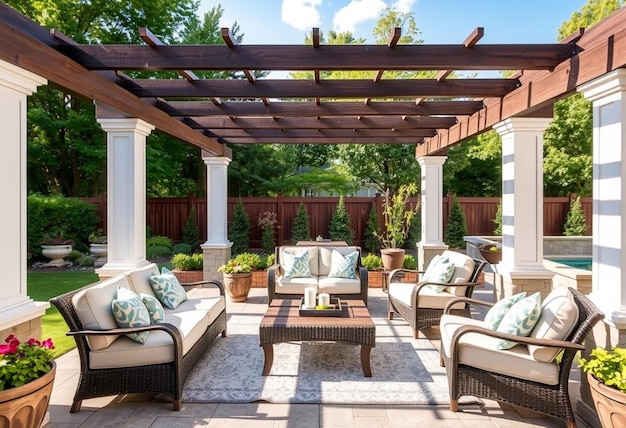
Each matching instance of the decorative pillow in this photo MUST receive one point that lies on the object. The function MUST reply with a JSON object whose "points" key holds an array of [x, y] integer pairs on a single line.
{"points": [[296, 265], [520, 319], [343, 266], [431, 266], [155, 308], [129, 311], [441, 272], [167, 289], [497, 311]]}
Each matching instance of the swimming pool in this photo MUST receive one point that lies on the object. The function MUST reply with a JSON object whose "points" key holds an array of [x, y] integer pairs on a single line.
{"points": [[576, 262]]}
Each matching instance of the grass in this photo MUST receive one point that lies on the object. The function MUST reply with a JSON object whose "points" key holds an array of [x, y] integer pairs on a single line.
{"points": [[42, 286]]}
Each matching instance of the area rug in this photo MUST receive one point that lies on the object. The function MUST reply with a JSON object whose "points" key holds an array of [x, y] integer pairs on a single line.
{"points": [[404, 370]]}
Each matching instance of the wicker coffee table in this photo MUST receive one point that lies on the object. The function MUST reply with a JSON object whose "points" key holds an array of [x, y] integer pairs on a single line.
{"points": [[282, 323]]}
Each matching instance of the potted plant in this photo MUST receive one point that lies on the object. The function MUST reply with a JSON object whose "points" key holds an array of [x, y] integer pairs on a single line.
{"points": [[188, 267], [607, 381], [373, 264], [397, 215], [238, 276], [55, 247], [98, 246], [491, 252], [27, 373]]}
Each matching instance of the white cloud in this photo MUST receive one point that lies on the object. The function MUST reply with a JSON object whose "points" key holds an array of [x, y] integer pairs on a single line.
{"points": [[301, 14], [357, 11], [403, 5]]}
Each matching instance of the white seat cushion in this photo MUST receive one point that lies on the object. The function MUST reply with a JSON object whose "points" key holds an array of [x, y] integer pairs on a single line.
{"points": [[428, 297], [294, 285], [478, 350], [339, 285]]}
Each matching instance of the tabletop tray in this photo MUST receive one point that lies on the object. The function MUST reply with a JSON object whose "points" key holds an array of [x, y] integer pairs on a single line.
{"points": [[335, 311]]}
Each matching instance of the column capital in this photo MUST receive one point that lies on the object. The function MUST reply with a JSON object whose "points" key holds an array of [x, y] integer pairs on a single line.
{"points": [[432, 160], [18, 79], [126, 124], [522, 124], [216, 160], [605, 86]]}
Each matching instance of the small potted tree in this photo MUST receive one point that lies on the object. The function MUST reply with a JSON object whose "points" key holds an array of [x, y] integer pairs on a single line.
{"points": [[397, 214], [238, 276]]}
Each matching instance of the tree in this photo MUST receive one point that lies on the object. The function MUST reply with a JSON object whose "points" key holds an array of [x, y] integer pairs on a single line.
{"points": [[191, 233], [340, 228], [238, 229], [575, 223], [457, 228], [371, 242], [300, 230]]}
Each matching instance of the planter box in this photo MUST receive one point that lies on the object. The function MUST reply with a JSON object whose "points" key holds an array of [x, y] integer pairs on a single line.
{"points": [[259, 279], [375, 278], [188, 275]]}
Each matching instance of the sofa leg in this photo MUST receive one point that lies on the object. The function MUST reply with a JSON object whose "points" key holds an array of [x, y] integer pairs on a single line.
{"points": [[390, 315], [454, 405], [224, 333], [570, 424], [76, 406], [416, 334], [442, 363], [177, 404]]}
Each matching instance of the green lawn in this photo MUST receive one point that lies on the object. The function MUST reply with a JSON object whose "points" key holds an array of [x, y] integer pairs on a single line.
{"points": [[42, 286]]}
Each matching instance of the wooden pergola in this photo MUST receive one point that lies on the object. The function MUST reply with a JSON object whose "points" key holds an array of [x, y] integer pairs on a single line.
{"points": [[432, 114]]}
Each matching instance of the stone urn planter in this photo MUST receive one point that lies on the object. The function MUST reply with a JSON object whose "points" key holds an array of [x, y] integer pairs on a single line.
{"points": [[610, 403], [26, 406], [238, 285], [99, 251], [56, 254], [393, 258]]}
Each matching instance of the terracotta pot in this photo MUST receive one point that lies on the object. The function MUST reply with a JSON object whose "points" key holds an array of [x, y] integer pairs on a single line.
{"points": [[259, 279], [187, 276], [610, 403], [26, 406], [393, 258], [492, 257], [238, 285]]}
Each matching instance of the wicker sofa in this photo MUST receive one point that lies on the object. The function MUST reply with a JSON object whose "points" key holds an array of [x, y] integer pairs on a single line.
{"points": [[534, 373], [320, 258], [112, 364]]}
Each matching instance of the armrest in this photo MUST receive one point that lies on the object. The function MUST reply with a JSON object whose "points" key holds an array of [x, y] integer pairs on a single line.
{"points": [[401, 271], [465, 300], [215, 282]]}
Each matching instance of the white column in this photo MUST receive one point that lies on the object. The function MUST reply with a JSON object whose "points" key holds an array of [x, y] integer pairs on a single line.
{"points": [[126, 194], [432, 200], [15, 305], [522, 196], [608, 94], [217, 201]]}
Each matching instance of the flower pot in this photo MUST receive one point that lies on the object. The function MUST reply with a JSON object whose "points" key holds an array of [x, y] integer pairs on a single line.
{"points": [[56, 254], [25, 406], [259, 279], [492, 257], [187, 276], [610, 403], [99, 251], [393, 258], [238, 285]]}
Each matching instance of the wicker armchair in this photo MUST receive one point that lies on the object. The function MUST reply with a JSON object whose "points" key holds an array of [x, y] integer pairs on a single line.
{"points": [[515, 376], [419, 305]]}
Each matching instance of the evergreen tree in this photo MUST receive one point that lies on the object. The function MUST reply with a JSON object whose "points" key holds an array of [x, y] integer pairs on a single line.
{"points": [[238, 229], [498, 221], [191, 233], [457, 228], [415, 230], [300, 230], [340, 228], [371, 242], [576, 223]]}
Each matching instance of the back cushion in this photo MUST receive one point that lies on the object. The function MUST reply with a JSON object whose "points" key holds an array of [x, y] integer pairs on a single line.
{"points": [[559, 316], [313, 255], [325, 257], [464, 266], [93, 308], [139, 279]]}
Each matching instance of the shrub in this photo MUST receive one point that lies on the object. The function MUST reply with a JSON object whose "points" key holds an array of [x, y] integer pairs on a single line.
{"points": [[497, 231], [182, 247], [300, 230], [191, 233], [268, 221], [409, 262], [415, 230], [157, 251], [251, 259], [372, 262], [238, 229], [456, 229], [74, 256], [575, 223], [160, 241], [183, 261], [267, 261], [607, 367], [340, 228], [371, 242], [85, 260]]}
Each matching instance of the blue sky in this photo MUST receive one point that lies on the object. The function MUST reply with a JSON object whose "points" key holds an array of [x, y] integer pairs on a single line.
{"points": [[439, 21]]}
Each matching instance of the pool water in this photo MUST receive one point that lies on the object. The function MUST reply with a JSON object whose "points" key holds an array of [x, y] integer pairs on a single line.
{"points": [[579, 263]]}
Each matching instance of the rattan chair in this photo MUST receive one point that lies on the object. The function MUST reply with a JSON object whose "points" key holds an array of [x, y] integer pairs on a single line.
{"points": [[550, 399], [419, 314]]}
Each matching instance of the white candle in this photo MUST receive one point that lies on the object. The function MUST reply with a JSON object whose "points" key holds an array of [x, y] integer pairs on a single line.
{"points": [[324, 299], [309, 297]]}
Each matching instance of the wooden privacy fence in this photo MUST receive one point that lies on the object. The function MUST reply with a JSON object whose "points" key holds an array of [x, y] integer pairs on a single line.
{"points": [[167, 216]]}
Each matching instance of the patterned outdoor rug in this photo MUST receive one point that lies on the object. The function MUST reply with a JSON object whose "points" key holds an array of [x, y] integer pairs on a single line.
{"points": [[404, 370]]}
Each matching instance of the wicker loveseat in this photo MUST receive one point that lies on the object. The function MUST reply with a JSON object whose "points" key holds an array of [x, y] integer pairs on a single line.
{"points": [[533, 373], [320, 264], [112, 364]]}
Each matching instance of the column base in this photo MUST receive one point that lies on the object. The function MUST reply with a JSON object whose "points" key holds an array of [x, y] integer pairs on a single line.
{"points": [[110, 270], [508, 283], [213, 257], [425, 253]]}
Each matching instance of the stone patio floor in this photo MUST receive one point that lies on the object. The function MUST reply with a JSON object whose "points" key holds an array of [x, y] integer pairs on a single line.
{"points": [[143, 411]]}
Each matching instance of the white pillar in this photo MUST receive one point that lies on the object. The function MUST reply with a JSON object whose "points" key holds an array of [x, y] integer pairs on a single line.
{"points": [[126, 194], [16, 308], [522, 203], [431, 207], [608, 94]]}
